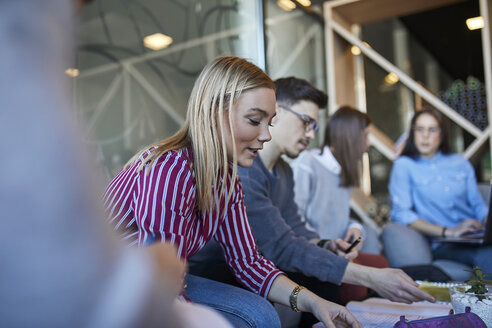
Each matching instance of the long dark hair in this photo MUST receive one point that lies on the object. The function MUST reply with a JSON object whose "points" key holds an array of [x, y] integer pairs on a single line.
{"points": [[344, 134], [410, 149]]}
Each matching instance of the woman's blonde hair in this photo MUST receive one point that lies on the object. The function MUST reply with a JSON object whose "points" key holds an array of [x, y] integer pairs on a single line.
{"points": [[216, 89]]}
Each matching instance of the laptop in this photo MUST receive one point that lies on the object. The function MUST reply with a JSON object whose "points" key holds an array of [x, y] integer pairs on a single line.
{"points": [[479, 238]]}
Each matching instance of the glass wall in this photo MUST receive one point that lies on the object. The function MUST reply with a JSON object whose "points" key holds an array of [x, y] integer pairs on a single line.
{"points": [[437, 50], [131, 90], [295, 47]]}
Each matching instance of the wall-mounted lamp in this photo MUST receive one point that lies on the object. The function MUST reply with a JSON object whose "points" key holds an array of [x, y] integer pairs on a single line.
{"points": [[72, 72], [391, 78], [157, 41], [286, 5], [475, 23]]}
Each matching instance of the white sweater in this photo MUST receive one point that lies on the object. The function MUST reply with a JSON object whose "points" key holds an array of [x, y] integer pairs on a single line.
{"points": [[320, 199]]}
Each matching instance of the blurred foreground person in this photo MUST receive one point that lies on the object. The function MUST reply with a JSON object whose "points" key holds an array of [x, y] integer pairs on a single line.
{"points": [[60, 266]]}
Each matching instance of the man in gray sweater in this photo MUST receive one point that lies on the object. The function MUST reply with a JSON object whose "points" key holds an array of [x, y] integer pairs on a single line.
{"points": [[278, 228]]}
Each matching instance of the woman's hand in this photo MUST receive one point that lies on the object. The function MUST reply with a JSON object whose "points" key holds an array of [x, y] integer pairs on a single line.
{"points": [[467, 226], [352, 234], [332, 315]]}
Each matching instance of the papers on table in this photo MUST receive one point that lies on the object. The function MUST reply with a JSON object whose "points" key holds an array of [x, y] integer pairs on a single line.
{"points": [[381, 313]]}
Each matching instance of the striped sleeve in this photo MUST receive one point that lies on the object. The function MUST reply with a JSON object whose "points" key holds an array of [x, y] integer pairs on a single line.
{"points": [[118, 203], [235, 237], [164, 201]]}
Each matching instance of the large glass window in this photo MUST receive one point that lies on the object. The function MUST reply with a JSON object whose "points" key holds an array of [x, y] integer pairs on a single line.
{"points": [[295, 46], [137, 61]]}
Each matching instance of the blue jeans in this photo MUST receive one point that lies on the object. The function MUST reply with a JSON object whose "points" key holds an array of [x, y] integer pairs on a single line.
{"points": [[404, 246], [466, 253], [371, 244], [241, 307]]}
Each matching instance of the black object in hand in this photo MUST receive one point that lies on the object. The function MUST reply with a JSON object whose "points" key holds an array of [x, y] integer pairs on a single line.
{"points": [[355, 243]]}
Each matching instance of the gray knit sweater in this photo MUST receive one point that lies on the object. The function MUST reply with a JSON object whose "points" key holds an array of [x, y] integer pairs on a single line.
{"points": [[280, 233], [321, 200]]}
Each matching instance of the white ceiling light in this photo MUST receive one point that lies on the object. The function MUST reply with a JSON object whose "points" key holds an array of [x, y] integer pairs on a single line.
{"points": [[391, 78], [157, 41], [286, 5], [475, 23], [72, 72], [305, 3], [355, 50]]}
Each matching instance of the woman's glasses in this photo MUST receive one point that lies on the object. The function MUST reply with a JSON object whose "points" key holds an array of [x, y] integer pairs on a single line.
{"points": [[309, 122]]}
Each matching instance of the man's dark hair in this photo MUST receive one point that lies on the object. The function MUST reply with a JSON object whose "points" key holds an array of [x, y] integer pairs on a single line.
{"points": [[410, 149], [290, 90]]}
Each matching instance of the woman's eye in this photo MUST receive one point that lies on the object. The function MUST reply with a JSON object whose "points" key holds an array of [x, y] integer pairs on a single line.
{"points": [[254, 122]]}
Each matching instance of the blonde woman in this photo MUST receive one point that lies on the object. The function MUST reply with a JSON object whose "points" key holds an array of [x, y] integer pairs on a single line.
{"points": [[184, 190]]}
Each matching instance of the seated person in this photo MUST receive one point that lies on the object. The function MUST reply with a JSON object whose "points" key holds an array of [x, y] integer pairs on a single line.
{"points": [[435, 193], [324, 180], [184, 190], [272, 213]]}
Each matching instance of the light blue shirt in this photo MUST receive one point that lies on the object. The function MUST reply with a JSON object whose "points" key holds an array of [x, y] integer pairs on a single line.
{"points": [[441, 190]]}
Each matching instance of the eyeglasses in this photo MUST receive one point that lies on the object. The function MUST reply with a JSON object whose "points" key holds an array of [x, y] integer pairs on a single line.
{"points": [[309, 122], [422, 130]]}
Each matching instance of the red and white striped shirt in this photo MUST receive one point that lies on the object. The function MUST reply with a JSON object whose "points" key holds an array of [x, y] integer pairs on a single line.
{"points": [[161, 206]]}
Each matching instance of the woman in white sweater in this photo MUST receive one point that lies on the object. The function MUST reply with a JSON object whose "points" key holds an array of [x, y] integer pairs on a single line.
{"points": [[324, 179]]}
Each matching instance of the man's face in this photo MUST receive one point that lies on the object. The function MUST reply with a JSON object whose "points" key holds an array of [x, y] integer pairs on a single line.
{"points": [[289, 132]]}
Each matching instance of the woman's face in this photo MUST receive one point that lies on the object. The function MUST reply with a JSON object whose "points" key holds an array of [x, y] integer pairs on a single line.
{"points": [[427, 135], [251, 116]]}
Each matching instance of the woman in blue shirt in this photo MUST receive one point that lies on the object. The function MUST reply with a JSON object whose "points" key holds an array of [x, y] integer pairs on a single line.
{"points": [[435, 192]]}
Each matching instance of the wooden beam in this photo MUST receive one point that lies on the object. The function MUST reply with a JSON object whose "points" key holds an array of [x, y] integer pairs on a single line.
{"points": [[366, 11]]}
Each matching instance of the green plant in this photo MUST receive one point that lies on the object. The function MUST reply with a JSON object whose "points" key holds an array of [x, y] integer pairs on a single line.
{"points": [[477, 282]]}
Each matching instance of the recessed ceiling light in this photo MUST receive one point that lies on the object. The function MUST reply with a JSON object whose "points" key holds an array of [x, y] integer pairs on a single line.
{"points": [[355, 50], [286, 5], [391, 78], [157, 41], [475, 23], [72, 72], [305, 3]]}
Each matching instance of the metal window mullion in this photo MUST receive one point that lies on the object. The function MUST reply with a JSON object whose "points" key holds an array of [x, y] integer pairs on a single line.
{"points": [[487, 65], [330, 59]]}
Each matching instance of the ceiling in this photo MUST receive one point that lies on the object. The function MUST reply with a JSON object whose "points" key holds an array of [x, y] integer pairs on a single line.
{"points": [[444, 34]]}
